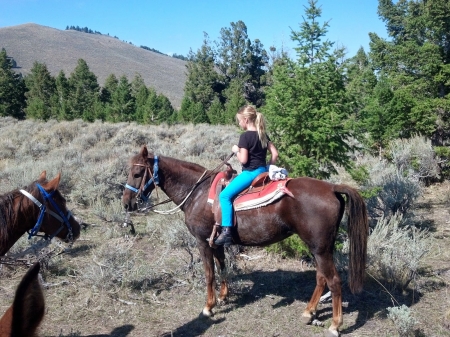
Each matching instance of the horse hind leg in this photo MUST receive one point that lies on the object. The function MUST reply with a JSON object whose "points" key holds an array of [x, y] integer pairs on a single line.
{"points": [[332, 280], [309, 313]]}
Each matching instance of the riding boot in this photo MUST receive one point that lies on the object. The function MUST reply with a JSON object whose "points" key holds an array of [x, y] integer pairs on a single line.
{"points": [[225, 238]]}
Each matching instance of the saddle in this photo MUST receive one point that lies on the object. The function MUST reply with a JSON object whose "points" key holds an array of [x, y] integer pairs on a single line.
{"points": [[261, 192]]}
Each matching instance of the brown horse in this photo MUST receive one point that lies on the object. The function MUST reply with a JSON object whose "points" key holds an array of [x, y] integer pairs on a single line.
{"points": [[37, 208], [314, 213], [24, 315]]}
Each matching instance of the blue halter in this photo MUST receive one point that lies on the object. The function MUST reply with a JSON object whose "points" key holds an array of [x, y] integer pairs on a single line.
{"points": [[154, 178], [61, 217]]}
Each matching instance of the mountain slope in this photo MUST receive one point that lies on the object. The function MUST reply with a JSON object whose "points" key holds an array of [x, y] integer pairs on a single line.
{"points": [[61, 49]]}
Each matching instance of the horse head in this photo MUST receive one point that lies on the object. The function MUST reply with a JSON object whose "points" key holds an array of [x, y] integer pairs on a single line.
{"points": [[54, 218], [142, 179]]}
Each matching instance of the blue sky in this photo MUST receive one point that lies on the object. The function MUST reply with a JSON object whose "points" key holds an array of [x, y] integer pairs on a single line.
{"points": [[175, 26]]}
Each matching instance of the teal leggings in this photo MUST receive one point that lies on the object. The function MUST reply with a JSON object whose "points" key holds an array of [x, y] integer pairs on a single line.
{"points": [[237, 185]]}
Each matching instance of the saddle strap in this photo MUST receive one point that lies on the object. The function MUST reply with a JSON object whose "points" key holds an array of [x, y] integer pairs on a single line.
{"points": [[213, 235]]}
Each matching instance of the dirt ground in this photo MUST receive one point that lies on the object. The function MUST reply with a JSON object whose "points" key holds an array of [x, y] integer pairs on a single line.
{"points": [[268, 294]]}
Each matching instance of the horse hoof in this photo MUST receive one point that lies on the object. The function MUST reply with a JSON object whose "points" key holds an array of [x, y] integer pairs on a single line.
{"points": [[316, 322], [222, 301], [332, 333], [307, 319], [206, 314]]}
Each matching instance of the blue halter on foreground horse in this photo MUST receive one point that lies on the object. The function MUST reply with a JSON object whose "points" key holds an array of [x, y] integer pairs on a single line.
{"points": [[24, 315], [314, 213], [37, 208]]}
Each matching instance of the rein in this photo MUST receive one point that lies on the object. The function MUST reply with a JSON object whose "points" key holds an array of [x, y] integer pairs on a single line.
{"points": [[155, 178], [64, 219]]}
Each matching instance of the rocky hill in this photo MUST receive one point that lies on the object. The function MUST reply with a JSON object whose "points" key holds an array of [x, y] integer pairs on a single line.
{"points": [[61, 49]]}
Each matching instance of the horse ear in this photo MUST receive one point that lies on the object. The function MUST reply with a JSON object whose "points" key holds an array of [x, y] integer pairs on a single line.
{"points": [[144, 151], [42, 176], [29, 304], [53, 184]]}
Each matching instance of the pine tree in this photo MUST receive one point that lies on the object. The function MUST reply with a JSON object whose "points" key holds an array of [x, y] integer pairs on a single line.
{"points": [[41, 96], [84, 92], [234, 68], [192, 112], [203, 84], [166, 111], [150, 109], [307, 105], [109, 88], [62, 93], [215, 113], [12, 89], [123, 104], [239, 59], [416, 62]]}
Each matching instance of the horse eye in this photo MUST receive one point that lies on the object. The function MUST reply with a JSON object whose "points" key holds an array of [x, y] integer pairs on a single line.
{"points": [[136, 176]]}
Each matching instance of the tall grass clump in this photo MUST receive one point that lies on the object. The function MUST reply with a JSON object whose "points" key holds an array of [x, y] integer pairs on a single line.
{"points": [[116, 265]]}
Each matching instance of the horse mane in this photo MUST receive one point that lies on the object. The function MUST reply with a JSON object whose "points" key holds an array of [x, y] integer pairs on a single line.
{"points": [[28, 308], [7, 214]]}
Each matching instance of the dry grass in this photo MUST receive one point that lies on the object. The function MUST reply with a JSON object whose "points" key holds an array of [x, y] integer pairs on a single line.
{"points": [[152, 284], [61, 49]]}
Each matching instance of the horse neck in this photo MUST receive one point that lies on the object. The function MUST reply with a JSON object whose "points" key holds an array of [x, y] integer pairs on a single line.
{"points": [[16, 218], [178, 177]]}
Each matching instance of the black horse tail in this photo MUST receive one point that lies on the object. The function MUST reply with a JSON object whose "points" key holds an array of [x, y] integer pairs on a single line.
{"points": [[358, 232]]}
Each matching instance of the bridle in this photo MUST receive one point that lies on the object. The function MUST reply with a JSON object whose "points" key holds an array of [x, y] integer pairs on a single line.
{"points": [[154, 178], [64, 219]]}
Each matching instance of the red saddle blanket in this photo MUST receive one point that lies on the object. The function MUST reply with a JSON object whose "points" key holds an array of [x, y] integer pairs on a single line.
{"points": [[253, 197]]}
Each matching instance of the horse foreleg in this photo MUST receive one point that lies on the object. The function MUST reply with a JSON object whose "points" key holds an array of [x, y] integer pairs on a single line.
{"points": [[219, 254], [206, 254]]}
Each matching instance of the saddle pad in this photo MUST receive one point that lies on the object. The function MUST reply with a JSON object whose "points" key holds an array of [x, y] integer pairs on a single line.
{"points": [[272, 192], [212, 190]]}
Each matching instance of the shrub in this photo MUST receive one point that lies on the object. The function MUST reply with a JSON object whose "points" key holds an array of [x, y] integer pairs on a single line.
{"points": [[396, 195], [403, 321], [292, 246], [415, 158], [443, 153], [394, 252]]}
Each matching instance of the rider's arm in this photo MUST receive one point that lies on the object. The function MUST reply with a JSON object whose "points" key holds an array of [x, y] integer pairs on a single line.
{"points": [[241, 154], [273, 153]]}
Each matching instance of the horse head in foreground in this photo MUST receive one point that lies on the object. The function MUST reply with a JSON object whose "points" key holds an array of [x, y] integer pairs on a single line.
{"points": [[39, 207], [27, 311], [314, 212]]}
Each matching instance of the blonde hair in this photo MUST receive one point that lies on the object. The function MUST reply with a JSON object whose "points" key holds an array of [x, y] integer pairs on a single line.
{"points": [[249, 112]]}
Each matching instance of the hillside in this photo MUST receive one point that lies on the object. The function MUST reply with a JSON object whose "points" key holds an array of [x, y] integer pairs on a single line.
{"points": [[61, 49]]}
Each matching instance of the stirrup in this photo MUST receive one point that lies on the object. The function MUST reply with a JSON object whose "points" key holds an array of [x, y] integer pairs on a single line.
{"points": [[225, 238]]}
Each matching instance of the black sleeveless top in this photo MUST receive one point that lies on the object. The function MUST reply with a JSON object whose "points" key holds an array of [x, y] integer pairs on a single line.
{"points": [[256, 153]]}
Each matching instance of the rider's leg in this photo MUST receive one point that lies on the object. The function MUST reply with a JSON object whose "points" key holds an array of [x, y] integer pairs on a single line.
{"points": [[238, 184]]}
